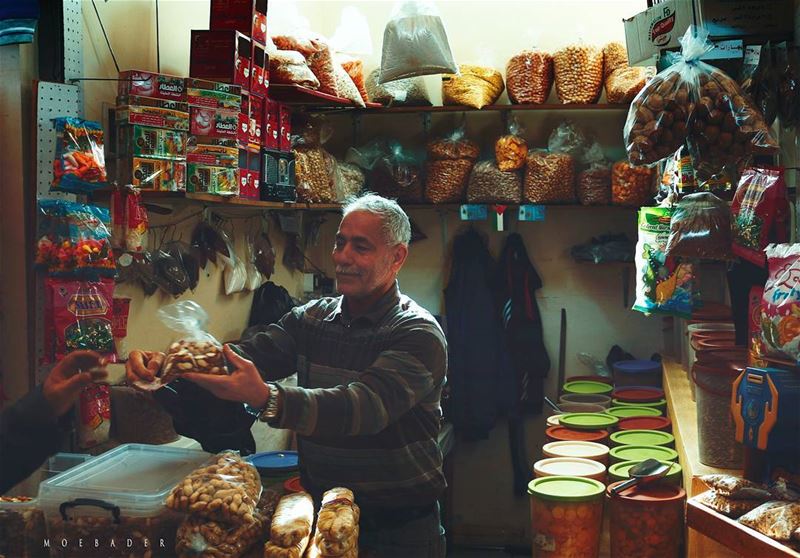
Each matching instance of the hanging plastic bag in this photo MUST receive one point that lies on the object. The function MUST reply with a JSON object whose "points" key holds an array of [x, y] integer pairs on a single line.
{"points": [[511, 150], [473, 86], [529, 77], [254, 278], [415, 43], [664, 285], [780, 317], [489, 184], [235, 270], [567, 138], [788, 84], [450, 160], [594, 179], [700, 228], [411, 92], [578, 73], [79, 166], [136, 222], [759, 210], [395, 172]]}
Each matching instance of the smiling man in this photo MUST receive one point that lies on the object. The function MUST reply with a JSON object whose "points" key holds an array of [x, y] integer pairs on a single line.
{"points": [[371, 364]]}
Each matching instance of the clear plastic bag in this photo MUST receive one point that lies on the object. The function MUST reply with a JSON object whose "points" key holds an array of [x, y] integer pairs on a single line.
{"points": [[415, 43], [353, 35], [780, 306], [79, 166], [453, 147], [631, 186], [736, 488], [567, 138], [397, 174], [615, 56], [777, 520], [759, 208], [315, 171], [549, 178], [349, 181], [337, 523], [355, 69], [346, 87], [529, 77], [727, 506], [321, 63], [473, 86], [292, 520], [489, 184], [290, 67], [788, 84], [594, 180], [410, 92], [200, 538], [623, 84], [578, 74], [700, 228], [254, 277], [511, 150], [450, 161]]}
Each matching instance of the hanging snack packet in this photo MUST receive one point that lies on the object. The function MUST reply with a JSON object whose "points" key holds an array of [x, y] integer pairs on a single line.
{"points": [[511, 150], [780, 318], [700, 228], [82, 316], [136, 222], [755, 345], [79, 166], [759, 208], [663, 284]]}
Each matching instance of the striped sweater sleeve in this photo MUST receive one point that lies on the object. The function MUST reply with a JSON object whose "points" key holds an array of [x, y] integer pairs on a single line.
{"points": [[274, 351], [396, 381]]}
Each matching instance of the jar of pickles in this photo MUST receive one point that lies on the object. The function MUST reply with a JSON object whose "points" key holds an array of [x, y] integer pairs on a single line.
{"points": [[647, 521], [566, 516]]}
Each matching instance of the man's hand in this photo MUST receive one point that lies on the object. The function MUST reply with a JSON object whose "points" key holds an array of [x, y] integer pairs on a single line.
{"points": [[142, 366], [70, 376], [244, 384]]}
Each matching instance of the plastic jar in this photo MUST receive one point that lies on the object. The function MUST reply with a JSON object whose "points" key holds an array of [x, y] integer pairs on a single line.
{"points": [[640, 453], [552, 420], [715, 427], [586, 398], [621, 471], [647, 521], [581, 408], [637, 394], [642, 438], [570, 467], [588, 387], [564, 434], [637, 373], [586, 450], [664, 424], [275, 467], [566, 516], [660, 405], [689, 353], [628, 411]]}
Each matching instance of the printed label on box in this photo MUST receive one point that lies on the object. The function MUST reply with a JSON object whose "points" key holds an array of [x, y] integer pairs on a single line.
{"points": [[149, 84], [213, 122]]}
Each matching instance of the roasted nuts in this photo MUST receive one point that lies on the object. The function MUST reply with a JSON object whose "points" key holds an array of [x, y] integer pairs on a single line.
{"points": [[579, 74], [453, 149], [446, 181], [549, 178], [510, 151], [594, 186], [615, 56], [488, 184], [474, 86], [314, 175], [529, 77], [203, 357], [623, 84], [201, 538], [632, 186]]}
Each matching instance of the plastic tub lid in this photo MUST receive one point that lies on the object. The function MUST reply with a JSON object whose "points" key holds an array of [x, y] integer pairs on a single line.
{"points": [[621, 470], [553, 420], [576, 448], [293, 485], [569, 466], [642, 438], [601, 379], [654, 492], [566, 489], [569, 434], [588, 421], [135, 477], [637, 366], [644, 423], [587, 386], [274, 462], [570, 407], [637, 394], [627, 411], [652, 404], [640, 453]]}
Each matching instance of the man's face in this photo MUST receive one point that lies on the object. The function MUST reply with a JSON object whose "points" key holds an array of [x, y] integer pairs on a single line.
{"points": [[365, 264]]}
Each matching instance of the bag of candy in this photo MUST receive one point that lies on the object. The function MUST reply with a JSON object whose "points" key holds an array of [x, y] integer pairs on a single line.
{"points": [[79, 166], [780, 318]]}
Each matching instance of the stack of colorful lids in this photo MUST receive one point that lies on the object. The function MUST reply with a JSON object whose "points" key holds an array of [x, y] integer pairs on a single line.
{"points": [[585, 450], [571, 467], [642, 438], [640, 396], [640, 453], [621, 471]]}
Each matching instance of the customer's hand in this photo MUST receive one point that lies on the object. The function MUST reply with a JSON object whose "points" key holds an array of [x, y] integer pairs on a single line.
{"points": [[142, 366], [70, 376], [244, 383]]}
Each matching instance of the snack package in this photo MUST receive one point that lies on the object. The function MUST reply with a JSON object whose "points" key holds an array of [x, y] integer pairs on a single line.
{"points": [[320, 61], [755, 345], [736, 488], [631, 186], [226, 490], [529, 77], [473, 86], [94, 410], [292, 520], [759, 208], [678, 178], [201, 538], [549, 178], [338, 517], [81, 315], [578, 74], [511, 150], [450, 160], [410, 92], [136, 222], [415, 43], [780, 318], [727, 506], [489, 184], [594, 180], [664, 285], [777, 520], [74, 240], [79, 166], [700, 228]]}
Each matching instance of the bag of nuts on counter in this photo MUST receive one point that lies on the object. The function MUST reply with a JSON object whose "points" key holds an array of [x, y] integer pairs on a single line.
{"points": [[290, 531], [631, 186], [777, 520], [225, 490], [473, 86], [489, 184], [529, 77], [700, 228], [578, 74], [726, 505], [198, 537], [511, 150], [450, 161], [594, 180]]}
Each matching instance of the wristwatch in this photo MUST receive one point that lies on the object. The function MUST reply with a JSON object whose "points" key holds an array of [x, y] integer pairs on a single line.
{"points": [[270, 410]]}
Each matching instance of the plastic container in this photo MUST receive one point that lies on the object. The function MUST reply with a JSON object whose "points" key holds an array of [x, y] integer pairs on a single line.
{"points": [[293, 485], [663, 424], [717, 357], [621, 471], [590, 398], [564, 434], [640, 453], [637, 373], [716, 430], [642, 438], [117, 496], [553, 420], [627, 411], [587, 450], [660, 405], [22, 529], [566, 516], [275, 467], [689, 351], [593, 378], [581, 408], [647, 521], [588, 421], [570, 467], [638, 394], [587, 387]]}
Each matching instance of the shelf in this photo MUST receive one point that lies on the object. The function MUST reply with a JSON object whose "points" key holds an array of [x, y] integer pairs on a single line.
{"points": [[732, 534], [242, 202], [494, 108], [298, 95]]}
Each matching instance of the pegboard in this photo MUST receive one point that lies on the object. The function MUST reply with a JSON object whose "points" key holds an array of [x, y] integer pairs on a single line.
{"points": [[73, 39], [52, 100]]}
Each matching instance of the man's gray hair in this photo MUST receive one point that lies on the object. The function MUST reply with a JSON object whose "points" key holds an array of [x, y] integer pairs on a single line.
{"points": [[396, 226]]}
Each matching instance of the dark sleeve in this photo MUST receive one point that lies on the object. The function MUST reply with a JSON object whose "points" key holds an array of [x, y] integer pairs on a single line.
{"points": [[274, 351], [29, 434]]}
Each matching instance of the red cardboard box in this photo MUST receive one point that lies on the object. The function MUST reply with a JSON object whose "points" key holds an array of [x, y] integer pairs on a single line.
{"points": [[259, 70], [213, 123], [243, 133], [254, 174], [221, 55], [271, 126], [246, 16], [285, 133], [150, 84], [256, 120]]}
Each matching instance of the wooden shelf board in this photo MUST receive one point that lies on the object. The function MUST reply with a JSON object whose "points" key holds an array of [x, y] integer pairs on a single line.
{"points": [[242, 202], [735, 536], [493, 108]]}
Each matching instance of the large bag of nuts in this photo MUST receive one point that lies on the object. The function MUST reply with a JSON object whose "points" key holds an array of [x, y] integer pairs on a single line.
{"points": [[489, 184], [529, 77], [290, 531], [594, 179], [450, 161], [198, 537], [473, 86], [549, 178], [225, 490], [631, 186], [290, 67], [349, 180], [700, 228], [315, 174], [511, 150], [337, 525], [578, 74], [615, 56], [622, 82], [397, 174]]}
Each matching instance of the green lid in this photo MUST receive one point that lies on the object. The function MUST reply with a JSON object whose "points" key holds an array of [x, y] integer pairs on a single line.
{"points": [[566, 489], [621, 471], [640, 453], [587, 386], [632, 411], [587, 421], [642, 438], [660, 404]]}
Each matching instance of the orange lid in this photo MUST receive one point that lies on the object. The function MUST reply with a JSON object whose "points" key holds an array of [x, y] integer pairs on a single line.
{"points": [[293, 485], [568, 434], [653, 492]]}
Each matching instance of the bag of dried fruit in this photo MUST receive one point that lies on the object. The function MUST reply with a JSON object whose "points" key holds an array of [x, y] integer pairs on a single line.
{"points": [[780, 317], [511, 150]]}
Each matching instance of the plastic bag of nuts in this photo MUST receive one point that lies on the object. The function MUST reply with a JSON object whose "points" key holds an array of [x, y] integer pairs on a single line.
{"points": [[450, 161], [489, 184], [349, 180], [529, 77], [226, 490], [549, 178], [22, 528], [624, 84], [315, 170], [700, 228], [632, 186], [397, 174], [454, 146], [615, 56], [578, 74], [473, 86], [200, 538], [511, 150], [594, 181]]}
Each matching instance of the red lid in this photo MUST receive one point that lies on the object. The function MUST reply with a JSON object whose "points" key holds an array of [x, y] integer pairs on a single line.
{"points": [[711, 343], [603, 379], [654, 492], [562, 433], [728, 354], [712, 312], [638, 394], [645, 423], [293, 485]]}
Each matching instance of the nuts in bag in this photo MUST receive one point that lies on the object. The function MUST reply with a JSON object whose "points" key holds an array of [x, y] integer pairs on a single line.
{"points": [[549, 178], [777, 520], [349, 180], [346, 87], [700, 228], [320, 61], [450, 161], [631, 186], [529, 77], [290, 531], [397, 174], [94, 409], [615, 56], [355, 69], [759, 211], [225, 490], [315, 170], [473, 86], [622, 82], [410, 92], [22, 528], [726, 505], [337, 525], [489, 184], [736, 488], [780, 309], [200, 538], [290, 67], [578, 74], [80, 166], [453, 147], [511, 150], [594, 180]]}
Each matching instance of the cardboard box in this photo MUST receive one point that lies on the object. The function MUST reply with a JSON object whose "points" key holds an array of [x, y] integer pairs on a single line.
{"points": [[254, 173], [222, 56], [259, 70], [256, 120], [151, 84], [212, 94], [139, 101], [195, 83], [285, 133], [153, 143], [660, 27], [213, 123], [247, 16], [271, 127], [154, 117], [203, 179], [152, 174]]}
